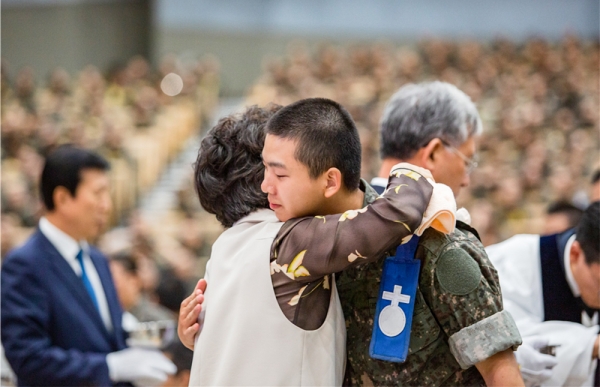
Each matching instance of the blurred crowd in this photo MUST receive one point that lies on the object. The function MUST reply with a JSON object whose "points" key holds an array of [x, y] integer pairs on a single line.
{"points": [[123, 115], [538, 101]]}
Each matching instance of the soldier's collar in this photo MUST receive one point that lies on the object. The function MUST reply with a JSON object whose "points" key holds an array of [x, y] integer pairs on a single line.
{"points": [[467, 227], [370, 193]]}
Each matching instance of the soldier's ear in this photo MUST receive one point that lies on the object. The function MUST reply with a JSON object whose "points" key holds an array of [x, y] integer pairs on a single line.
{"points": [[333, 179]]}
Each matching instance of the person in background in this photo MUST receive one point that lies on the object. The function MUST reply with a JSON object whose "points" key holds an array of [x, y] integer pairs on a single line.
{"points": [[61, 318], [129, 289], [182, 358], [551, 285], [561, 216], [171, 290]]}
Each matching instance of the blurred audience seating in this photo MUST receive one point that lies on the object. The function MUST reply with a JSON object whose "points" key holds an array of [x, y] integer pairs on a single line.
{"points": [[124, 116], [538, 101]]}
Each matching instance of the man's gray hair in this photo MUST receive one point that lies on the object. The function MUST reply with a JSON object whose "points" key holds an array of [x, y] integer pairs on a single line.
{"points": [[418, 113]]}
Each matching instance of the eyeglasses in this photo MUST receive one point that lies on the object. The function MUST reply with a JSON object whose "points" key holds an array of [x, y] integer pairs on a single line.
{"points": [[471, 163]]}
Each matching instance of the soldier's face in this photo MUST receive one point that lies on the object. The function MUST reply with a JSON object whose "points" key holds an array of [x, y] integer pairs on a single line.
{"points": [[587, 276], [291, 191]]}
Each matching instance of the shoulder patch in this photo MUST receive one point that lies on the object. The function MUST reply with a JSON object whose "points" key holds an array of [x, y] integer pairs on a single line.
{"points": [[457, 272]]}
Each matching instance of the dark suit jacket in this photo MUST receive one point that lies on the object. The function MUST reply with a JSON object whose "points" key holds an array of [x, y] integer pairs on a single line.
{"points": [[51, 331]]}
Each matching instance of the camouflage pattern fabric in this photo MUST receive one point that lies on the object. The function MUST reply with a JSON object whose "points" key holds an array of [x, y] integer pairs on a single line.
{"points": [[447, 302], [468, 347], [308, 250]]}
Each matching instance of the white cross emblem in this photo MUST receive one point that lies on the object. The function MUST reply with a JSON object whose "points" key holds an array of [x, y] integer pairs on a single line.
{"points": [[392, 319]]}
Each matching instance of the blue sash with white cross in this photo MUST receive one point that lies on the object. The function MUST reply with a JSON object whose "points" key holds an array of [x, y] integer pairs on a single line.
{"points": [[395, 305]]}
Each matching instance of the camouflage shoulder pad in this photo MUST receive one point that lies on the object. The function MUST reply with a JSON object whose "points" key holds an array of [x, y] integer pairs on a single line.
{"points": [[457, 272]]}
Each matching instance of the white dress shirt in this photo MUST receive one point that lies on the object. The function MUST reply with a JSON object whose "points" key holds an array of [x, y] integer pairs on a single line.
{"points": [[68, 249]]}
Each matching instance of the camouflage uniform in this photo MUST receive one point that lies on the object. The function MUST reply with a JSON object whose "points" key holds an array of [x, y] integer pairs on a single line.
{"points": [[458, 319]]}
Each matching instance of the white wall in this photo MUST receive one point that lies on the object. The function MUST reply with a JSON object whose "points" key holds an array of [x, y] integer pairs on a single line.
{"points": [[484, 19], [73, 33], [242, 32]]}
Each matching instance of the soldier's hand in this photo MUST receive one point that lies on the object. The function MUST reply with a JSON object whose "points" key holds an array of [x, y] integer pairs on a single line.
{"points": [[188, 326]]}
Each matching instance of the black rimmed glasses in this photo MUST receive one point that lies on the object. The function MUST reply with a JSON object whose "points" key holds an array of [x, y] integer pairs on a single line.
{"points": [[471, 163]]}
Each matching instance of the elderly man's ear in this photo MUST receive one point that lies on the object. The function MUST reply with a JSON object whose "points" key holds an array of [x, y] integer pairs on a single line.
{"points": [[428, 156]]}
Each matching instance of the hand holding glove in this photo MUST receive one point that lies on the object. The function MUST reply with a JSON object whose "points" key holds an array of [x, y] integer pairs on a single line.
{"points": [[441, 211]]}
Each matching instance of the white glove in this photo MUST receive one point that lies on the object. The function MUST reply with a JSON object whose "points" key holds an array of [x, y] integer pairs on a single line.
{"points": [[536, 367], [140, 366]]}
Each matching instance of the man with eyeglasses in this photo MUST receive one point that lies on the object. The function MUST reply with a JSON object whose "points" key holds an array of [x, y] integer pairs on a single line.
{"points": [[436, 125], [460, 333]]}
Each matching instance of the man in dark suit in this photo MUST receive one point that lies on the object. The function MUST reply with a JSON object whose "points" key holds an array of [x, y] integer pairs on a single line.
{"points": [[551, 285], [61, 318]]}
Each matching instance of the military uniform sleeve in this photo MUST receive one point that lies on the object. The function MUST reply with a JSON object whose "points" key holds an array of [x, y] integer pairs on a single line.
{"points": [[310, 248], [464, 295]]}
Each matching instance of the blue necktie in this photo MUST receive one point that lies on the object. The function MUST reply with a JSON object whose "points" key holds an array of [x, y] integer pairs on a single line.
{"points": [[86, 280]]}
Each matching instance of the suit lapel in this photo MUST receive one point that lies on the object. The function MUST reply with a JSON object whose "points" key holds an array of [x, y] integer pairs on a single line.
{"points": [[71, 281]]}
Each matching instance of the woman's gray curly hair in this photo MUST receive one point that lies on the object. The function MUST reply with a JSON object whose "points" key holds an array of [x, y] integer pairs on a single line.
{"points": [[229, 170]]}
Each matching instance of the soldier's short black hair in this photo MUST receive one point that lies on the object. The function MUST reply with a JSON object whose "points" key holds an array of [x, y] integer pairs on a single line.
{"points": [[326, 137], [588, 233], [63, 168], [229, 169]]}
